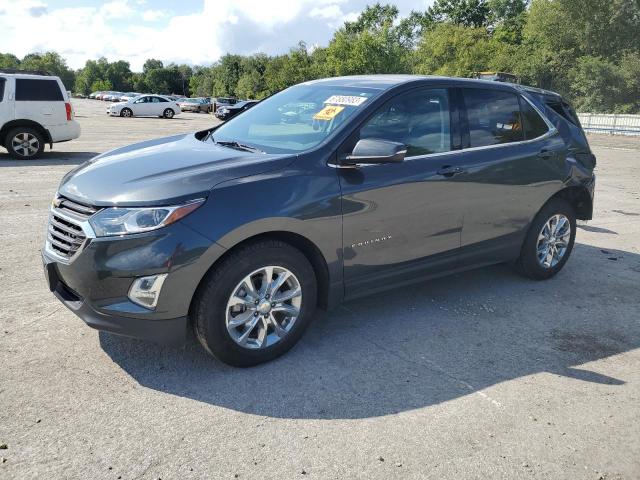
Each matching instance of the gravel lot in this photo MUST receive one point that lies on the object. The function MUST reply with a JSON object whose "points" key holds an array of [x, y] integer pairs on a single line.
{"points": [[479, 375]]}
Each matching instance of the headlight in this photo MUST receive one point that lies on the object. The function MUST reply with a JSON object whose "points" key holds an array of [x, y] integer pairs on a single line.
{"points": [[121, 221]]}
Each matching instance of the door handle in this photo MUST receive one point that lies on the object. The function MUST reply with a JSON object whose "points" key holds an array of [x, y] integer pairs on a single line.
{"points": [[449, 171], [544, 153]]}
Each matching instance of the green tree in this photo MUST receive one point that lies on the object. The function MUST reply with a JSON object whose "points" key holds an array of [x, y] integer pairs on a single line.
{"points": [[50, 62], [101, 86], [87, 76], [8, 60], [374, 43], [119, 74], [152, 64], [569, 38], [469, 13], [138, 82], [454, 50]]}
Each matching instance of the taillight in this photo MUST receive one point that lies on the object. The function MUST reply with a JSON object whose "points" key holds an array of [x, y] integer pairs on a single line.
{"points": [[67, 106]]}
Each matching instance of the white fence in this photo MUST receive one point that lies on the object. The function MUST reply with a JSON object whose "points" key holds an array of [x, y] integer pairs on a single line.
{"points": [[612, 124]]}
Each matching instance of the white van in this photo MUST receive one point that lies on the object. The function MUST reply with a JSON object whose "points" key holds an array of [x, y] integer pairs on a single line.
{"points": [[34, 110]]}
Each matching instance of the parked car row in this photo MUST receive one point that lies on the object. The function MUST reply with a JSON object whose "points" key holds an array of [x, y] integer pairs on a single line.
{"points": [[223, 107]]}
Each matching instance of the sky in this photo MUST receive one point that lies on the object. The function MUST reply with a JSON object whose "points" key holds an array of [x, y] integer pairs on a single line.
{"points": [[185, 31]]}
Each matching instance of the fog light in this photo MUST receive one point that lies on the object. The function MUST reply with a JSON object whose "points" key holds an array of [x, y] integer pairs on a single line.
{"points": [[145, 291]]}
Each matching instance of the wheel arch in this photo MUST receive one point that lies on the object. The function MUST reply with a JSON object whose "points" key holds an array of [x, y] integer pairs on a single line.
{"points": [[309, 249], [579, 198], [4, 131]]}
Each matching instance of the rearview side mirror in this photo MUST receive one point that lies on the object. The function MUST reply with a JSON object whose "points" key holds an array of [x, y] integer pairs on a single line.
{"points": [[375, 151]]}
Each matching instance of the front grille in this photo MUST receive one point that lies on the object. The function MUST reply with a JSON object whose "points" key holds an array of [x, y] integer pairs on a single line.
{"points": [[65, 235]]}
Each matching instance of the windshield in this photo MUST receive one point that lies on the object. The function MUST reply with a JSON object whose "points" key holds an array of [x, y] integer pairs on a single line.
{"points": [[296, 119]]}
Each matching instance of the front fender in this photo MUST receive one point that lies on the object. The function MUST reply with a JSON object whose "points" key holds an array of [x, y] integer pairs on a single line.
{"points": [[292, 200]]}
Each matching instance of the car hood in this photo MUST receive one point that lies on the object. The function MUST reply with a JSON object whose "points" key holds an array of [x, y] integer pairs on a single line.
{"points": [[161, 172]]}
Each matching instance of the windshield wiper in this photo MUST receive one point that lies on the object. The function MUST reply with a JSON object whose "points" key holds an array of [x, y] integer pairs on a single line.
{"points": [[239, 146]]}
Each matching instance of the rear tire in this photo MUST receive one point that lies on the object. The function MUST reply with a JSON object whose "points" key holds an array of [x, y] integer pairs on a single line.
{"points": [[24, 143], [168, 113], [549, 242], [232, 315]]}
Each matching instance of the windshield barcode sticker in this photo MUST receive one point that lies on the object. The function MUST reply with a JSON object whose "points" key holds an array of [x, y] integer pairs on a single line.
{"points": [[349, 100]]}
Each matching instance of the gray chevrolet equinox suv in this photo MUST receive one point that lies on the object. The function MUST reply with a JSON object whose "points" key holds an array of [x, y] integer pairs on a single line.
{"points": [[326, 191]]}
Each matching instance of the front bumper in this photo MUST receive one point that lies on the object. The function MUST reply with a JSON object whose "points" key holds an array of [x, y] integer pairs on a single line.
{"points": [[165, 332], [96, 283]]}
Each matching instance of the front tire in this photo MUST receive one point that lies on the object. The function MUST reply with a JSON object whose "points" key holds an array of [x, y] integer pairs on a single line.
{"points": [[242, 320], [126, 112], [168, 113], [24, 143], [549, 242]]}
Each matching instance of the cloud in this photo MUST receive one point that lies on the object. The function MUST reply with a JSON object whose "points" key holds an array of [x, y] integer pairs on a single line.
{"points": [[327, 12], [116, 9], [128, 30], [154, 15]]}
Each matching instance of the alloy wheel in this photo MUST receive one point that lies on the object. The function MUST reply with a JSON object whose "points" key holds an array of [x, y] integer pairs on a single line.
{"points": [[263, 307], [553, 241], [25, 144]]}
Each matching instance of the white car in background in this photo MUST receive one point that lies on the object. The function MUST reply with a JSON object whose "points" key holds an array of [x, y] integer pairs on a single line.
{"points": [[145, 106], [35, 110]]}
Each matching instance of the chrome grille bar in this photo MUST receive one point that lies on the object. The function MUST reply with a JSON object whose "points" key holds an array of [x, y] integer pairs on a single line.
{"points": [[68, 228]]}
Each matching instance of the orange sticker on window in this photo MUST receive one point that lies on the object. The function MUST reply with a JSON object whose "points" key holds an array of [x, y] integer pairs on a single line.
{"points": [[328, 112]]}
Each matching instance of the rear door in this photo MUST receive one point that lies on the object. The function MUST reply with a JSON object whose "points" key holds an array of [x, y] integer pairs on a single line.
{"points": [[6, 100], [512, 162], [403, 219], [157, 105], [41, 100]]}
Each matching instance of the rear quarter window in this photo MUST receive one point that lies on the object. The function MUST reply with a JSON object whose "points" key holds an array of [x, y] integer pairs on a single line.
{"points": [[36, 90], [2, 82], [565, 111]]}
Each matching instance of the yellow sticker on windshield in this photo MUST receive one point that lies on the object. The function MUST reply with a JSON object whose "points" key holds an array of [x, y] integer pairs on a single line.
{"points": [[328, 112]]}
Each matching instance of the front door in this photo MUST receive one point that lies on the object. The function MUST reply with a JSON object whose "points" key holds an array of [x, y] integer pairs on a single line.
{"points": [[142, 106], [403, 219]]}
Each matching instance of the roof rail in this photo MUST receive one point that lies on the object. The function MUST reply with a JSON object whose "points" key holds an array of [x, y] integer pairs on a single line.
{"points": [[27, 72]]}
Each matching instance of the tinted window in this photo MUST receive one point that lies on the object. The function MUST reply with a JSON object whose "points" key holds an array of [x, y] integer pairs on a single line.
{"points": [[420, 120], [38, 90], [2, 81], [159, 99], [533, 124], [494, 117]]}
